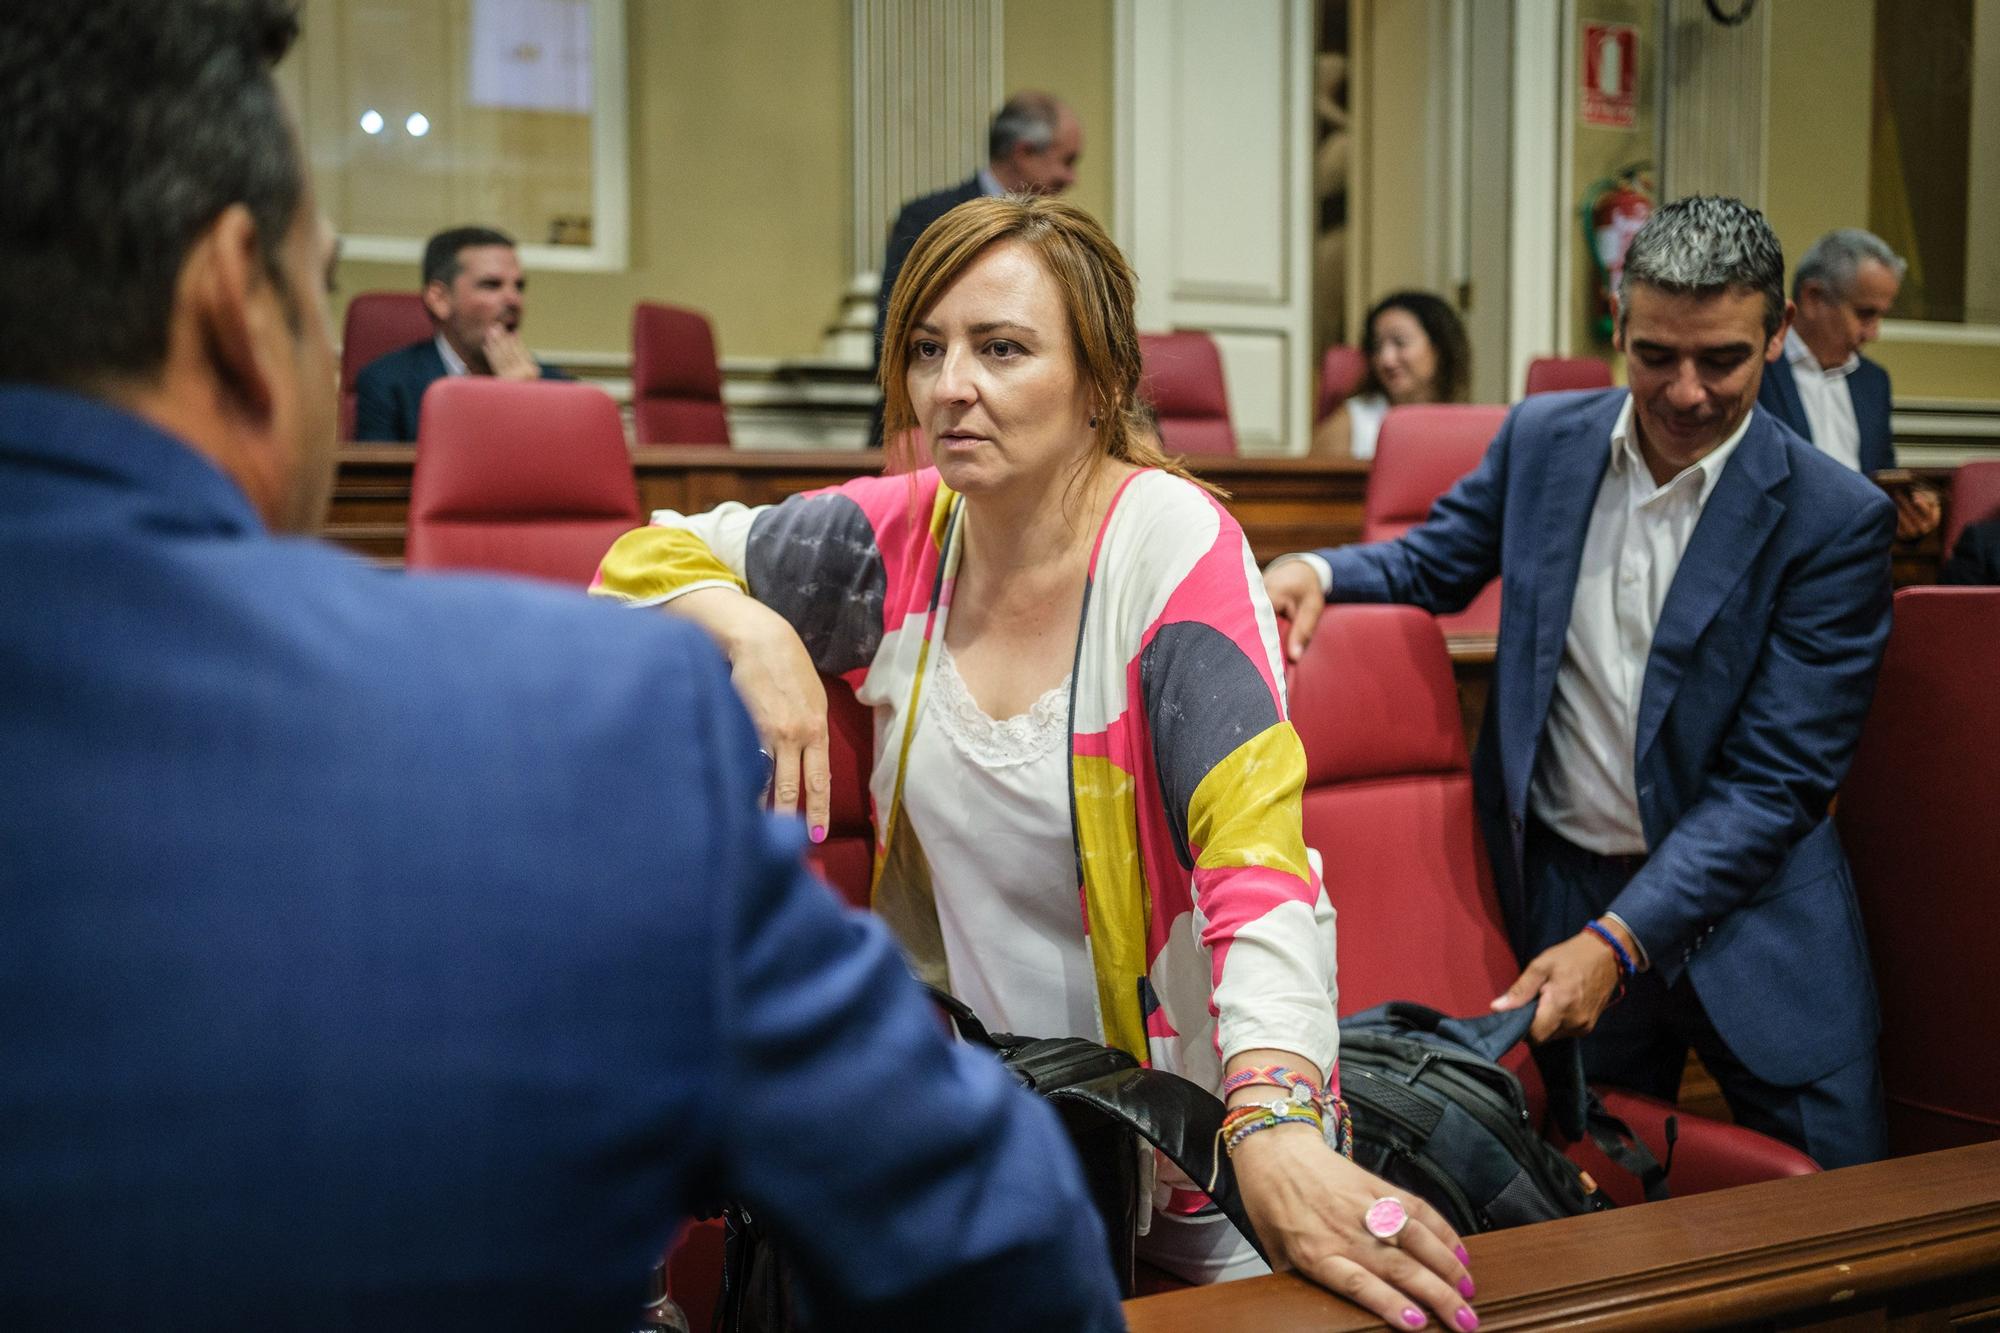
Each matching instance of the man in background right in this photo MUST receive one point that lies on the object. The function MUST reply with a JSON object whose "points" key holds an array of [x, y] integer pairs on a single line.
{"points": [[1827, 391]]}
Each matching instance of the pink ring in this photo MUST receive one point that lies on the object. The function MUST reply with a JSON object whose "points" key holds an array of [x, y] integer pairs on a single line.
{"points": [[1385, 1219]]}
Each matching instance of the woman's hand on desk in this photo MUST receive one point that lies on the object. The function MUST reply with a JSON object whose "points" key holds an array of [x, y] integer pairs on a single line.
{"points": [[1307, 1203], [776, 679]]}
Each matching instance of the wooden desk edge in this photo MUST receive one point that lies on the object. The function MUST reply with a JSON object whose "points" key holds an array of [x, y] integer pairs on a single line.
{"points": [[1829, 1243]]}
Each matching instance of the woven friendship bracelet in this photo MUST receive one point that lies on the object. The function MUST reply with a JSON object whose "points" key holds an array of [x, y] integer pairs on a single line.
{"points": [[1271, 1076], [1625, 967]]}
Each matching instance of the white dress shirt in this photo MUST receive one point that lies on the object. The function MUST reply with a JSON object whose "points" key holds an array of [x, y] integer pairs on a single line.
{"points": [[1828, 402], [453, 363], [1585, 786]]}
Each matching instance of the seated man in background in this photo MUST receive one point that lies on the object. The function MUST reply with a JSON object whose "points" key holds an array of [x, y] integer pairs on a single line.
{"points": [[1976, 558], [391, 952], [476, 296], [1696, 606], [1825, 389]]}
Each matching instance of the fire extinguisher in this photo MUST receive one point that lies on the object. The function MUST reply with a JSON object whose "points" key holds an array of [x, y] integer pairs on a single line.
{"points": [[1613, 211]]}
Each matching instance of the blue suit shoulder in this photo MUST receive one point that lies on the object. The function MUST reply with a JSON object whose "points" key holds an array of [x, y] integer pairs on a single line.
{"points": [[1836, 494]]}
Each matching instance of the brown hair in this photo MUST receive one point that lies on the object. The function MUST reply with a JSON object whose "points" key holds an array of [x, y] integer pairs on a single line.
{"points": [[1097, 290]]}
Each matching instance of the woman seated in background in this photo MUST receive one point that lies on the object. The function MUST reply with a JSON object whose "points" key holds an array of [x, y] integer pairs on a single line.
{"points": [[1086, 790], [1417, 353]]}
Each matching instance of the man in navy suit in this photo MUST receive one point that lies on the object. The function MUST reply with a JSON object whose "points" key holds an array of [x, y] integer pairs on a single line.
{"points": [[380, 951], [1825, 389], [476, 295], [1032, 147], [1695, 605]]}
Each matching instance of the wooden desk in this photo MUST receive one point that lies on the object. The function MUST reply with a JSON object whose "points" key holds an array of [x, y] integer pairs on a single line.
{"points": [[1904, 1245], [1284, 504]]}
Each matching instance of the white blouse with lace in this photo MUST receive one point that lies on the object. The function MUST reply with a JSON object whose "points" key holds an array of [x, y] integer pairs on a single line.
{"points": [[989, 801]]}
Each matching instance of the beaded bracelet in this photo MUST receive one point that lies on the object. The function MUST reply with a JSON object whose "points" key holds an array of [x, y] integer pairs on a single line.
{"points": [[1339, 1129], [1241, 1123]]}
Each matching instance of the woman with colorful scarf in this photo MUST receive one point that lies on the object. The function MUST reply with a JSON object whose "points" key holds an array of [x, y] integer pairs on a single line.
{"points": [[1086, 792]]}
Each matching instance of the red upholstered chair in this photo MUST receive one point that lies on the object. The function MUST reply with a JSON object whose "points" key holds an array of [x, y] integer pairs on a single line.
{"points": [[377, 322], [846, 859], [1341, 371], [1916, 817], [676, 382], [1422, 451], [519, 478], [1551, 374], [1182, 379], [1975, 497], [1388, 804]]}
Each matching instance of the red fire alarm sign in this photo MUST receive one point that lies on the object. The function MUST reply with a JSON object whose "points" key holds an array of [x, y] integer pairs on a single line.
{"points": [[1610, 74]]}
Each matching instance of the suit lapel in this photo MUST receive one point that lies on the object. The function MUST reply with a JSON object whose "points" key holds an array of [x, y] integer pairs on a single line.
{"points": [[1868, 389], [1573, 472], [1735, 523], [1791, 408]]}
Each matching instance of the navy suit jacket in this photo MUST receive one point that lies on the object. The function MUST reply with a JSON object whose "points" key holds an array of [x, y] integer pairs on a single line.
{"points": [[1761, 671], [388, 951], [1976, 559], [389, 391], [1867, 387], [910, 223]]}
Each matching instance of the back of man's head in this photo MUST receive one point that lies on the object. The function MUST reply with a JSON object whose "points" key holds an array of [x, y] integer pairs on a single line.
{"points": [[441, 261], [126, 127], [1835, 257], [1704, 245], [1029, 118]]}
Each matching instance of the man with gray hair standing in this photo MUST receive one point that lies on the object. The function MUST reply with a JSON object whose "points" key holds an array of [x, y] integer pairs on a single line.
{"points": [[1696, 605], [1032, 147], [1826, 390]]}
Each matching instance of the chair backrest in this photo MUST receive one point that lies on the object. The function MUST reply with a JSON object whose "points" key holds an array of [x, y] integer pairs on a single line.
{"points": [[846, 859], [1423, 449], [1975, 497], [520, 478], [1182, 379], [1341, 371], [1388, 803], [1916, 817], [676, 380], [377, 322], [1552, 374]]}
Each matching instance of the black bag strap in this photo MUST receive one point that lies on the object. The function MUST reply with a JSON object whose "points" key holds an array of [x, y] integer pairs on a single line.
{"points": [[1180, 1118]]}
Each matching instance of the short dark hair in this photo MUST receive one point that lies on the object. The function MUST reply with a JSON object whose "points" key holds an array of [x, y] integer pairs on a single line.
{"points": [[126, 128], [1441, 325], [441, 251], [1706, 244], [1027, 117]]}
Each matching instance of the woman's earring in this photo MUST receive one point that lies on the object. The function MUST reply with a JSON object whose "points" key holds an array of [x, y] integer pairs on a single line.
{"points": [[1093, 421]]}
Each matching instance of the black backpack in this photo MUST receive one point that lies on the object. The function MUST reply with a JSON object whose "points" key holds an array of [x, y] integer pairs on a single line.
{"points": [[1436, 1114]]}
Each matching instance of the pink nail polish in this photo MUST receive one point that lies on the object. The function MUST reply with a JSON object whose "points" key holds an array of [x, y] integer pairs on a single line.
{"points": [[1463, 1257], [819, 833], [1465, 1287], [1465, 1319], [1413, 1317]]}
